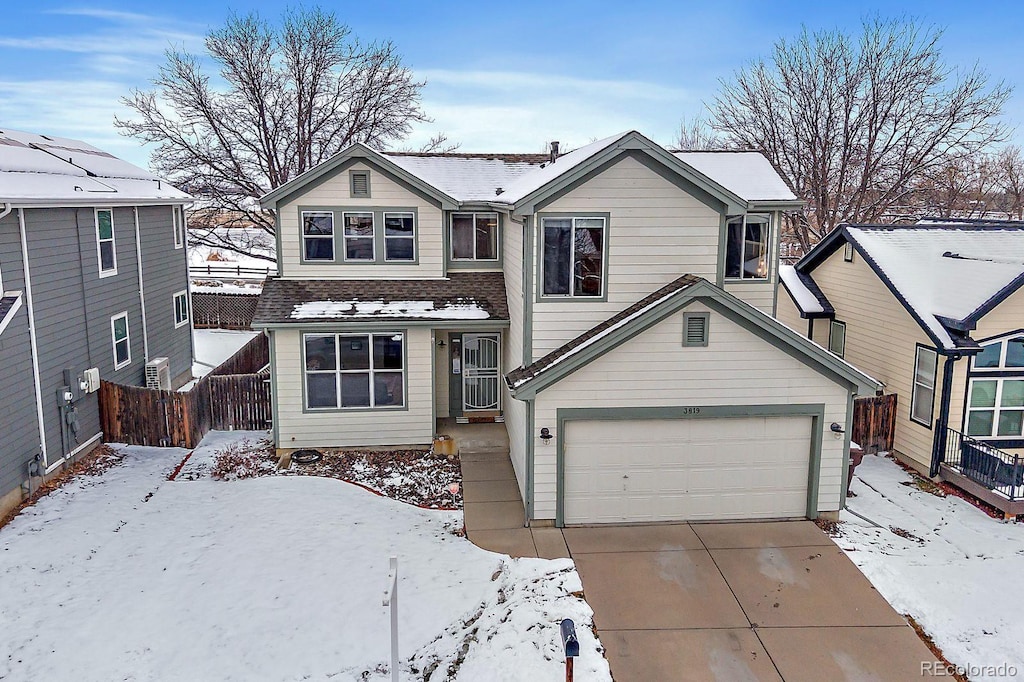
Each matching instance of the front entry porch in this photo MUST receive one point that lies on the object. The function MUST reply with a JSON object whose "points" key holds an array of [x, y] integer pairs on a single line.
{"points": [[468, 376]]}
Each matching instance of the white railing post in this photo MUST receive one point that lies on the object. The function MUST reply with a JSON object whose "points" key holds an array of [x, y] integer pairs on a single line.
{"points": [[391, 599]]}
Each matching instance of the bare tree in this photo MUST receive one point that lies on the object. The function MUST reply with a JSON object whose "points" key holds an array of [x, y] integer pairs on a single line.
{"points": [[696, 134], [1010, 169], [964, 187], [856, 122], [284, 99]]}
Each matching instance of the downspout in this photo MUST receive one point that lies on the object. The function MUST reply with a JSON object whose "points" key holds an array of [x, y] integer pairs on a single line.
{"points": [[3, 214], [941, 433], [142, 289], [528, 502], [32, 340]]}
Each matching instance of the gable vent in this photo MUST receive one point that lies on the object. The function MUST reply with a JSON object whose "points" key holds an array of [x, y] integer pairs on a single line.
{"points": [[695, 329], [360, 184]]}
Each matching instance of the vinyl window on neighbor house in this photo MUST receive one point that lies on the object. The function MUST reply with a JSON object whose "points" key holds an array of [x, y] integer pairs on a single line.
{"points": [[359, 241], [318, 235], [573, 256], [180, 309], [399, 237], [922, 399], [747, 241], [105, 248], [474, 236], [354, 370], [995, 404], [837, 338], [178, 219], [120, 340]]}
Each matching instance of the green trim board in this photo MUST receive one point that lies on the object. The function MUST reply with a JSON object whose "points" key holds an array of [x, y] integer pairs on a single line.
{"points": [[342, 161], [539, 240], [527, 291], [847, 438], [816, 411], [379, 235], [277, 243], [723, 237], [729, 306], [274, 369]]}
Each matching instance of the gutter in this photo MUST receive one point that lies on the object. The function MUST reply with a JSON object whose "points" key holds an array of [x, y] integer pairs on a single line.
{"points": [[941, 424]]}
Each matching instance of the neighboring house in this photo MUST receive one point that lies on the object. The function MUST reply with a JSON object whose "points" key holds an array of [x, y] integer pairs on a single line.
{"points": [[935, 312], [613, 305], [92, 277]]}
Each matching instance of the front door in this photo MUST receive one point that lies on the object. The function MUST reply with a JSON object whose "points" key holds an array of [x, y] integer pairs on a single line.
{"points": [[480, 372]]}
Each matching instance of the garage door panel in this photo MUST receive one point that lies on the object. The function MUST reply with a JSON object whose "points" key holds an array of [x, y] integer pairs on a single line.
{"points": [[699, 469]]}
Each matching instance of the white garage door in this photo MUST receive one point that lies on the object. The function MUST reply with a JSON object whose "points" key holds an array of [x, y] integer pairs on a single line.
{"points": [[686, 469]]}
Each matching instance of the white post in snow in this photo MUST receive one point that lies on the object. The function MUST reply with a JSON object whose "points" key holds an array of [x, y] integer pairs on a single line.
{"points": [[391, 599]]}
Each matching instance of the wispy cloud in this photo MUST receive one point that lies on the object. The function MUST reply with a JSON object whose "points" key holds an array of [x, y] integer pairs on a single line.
{"points": [[117, 33]]}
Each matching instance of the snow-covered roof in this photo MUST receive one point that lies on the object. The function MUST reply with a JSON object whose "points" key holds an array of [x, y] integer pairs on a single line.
{"points": [[542, 175], [468, 177], [748, 175], [802, 295], [41, 169], [945, 271]]}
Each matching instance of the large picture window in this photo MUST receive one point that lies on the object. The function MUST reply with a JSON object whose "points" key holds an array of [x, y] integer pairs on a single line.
{"points": [[318, 235], [922, 400], [573, 256], [746, 247], [474, 236], [995, 404], [105, 247], [359, 242], [354, 370], [399, 237]]}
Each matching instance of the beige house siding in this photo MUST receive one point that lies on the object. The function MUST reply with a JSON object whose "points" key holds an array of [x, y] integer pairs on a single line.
{"points": [[657, 232], [881, 340], [442, 371], [788, 314], [761, 295], [335, 193], [341, 428], [512, 344], [654, 369]]}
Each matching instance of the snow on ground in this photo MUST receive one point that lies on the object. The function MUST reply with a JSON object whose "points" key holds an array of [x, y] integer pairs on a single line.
{"points": [[960, 580], [214, 346], [130, 576]]}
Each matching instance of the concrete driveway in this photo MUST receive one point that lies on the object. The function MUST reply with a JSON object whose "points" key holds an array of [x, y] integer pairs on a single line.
{"points": [[736, 602]]}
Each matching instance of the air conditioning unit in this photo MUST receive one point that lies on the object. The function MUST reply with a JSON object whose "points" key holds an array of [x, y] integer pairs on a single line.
{"points": [[158, 374]]}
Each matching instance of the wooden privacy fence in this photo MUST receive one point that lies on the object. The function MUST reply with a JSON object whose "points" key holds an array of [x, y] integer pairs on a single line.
{"points": [[874, 422], [235, 395], [223, 311]]}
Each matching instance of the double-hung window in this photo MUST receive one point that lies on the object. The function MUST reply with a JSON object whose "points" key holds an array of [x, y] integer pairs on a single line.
{"points": [[474, 236], [121, 340], [180, 309], [747, 242], [399, 237], [354, 370], [318, 235], [573, 256], [178, 220], [359, 241], [922, 399], [105, 250], [995, 405]]}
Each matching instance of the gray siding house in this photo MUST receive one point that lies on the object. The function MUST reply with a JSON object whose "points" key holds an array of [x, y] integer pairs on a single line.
{"points": [[93, 285]]}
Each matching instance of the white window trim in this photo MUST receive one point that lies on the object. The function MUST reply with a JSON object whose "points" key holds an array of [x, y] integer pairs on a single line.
{"points": [[915, 383], [302, 229], [113, 241], [337, 372], [831, 331], [183, 294], [372, 237], [768, 242], [475, 258], [572, 257], [411, 238], [178, 225], [127, 338]]}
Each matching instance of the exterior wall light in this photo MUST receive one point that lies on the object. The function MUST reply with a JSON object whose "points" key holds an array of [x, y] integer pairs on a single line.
{"points": [[545, 435]]}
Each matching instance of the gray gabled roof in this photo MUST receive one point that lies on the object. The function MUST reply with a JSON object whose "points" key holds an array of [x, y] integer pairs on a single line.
{"points": [[526, 382]]}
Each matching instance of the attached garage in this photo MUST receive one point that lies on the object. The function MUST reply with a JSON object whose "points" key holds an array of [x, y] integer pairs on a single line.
{"points": [[687, 469]]}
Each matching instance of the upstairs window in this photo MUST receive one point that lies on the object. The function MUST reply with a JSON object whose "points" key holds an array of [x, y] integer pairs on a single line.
{"points": [[105, 249], [573, 257], [178, 219], [399, 237], [922, 398], [359, 241], [746, 247], [318, 235], [474, 236], [995, 403]]}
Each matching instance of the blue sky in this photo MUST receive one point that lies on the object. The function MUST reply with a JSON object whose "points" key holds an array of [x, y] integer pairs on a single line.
{"points": [[501, 76]]}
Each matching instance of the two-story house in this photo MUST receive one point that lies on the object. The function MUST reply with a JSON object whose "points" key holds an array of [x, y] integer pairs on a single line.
{"points": [[613, 305], [93, 285]]}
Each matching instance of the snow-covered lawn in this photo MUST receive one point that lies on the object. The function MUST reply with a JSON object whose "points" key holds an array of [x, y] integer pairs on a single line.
{"points": [[129, 576], [214, 346], [959, 575]]}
